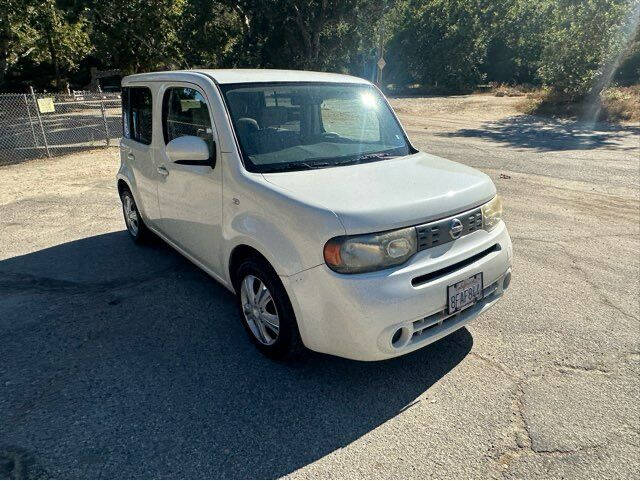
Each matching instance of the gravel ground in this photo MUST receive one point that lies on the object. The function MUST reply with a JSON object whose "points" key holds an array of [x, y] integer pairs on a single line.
{"points": [[121, 361]]}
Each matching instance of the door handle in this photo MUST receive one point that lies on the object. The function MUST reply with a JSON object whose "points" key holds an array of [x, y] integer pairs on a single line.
{"points": [[162, 170], [130, 156]]}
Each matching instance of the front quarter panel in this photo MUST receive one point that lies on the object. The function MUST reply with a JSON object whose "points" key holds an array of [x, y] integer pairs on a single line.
{"points": [[290, 233]]}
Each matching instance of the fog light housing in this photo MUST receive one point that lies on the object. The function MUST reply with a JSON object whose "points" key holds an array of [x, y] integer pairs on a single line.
{"points": [[396, 336], [506, 280]]}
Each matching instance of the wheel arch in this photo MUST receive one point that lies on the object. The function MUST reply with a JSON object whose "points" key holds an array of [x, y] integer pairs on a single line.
{"points": [[122, 186], [239, 254]]}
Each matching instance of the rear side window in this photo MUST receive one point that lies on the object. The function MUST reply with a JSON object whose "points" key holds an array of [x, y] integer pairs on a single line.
{"points": [[185, 112], [137, 114]]}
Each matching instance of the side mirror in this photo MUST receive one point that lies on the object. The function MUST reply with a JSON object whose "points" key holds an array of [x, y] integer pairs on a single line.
{"points": [[190, 150]]}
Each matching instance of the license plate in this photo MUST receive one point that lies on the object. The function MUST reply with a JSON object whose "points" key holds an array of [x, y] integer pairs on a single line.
{"points": [[464, 293]]}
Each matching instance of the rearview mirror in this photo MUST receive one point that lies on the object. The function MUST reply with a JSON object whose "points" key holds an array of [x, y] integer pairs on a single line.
{"points": [[189, 150]]}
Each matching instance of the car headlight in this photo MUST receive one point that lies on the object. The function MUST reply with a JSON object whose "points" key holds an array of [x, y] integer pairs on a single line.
{"points": [[370, 252], [492, 213]]}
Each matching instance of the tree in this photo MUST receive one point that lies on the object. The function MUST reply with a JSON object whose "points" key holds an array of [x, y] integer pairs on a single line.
{"points": [[138, 35], [42, 32], [444, 43], [16, 35], [580, 41], [209, 32], [314, 34], [514, 31], [61, 39]]}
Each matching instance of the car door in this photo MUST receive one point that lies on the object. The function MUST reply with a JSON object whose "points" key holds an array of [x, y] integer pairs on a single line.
{"points": [[190, 195], [136, 148]]}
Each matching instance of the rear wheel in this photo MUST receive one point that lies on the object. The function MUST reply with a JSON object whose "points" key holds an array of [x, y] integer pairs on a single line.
{"points": [[266, 311], [135, 225]]}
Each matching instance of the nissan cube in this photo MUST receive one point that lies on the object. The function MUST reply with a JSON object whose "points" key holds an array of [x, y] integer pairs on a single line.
{"points": [[301, 193]]}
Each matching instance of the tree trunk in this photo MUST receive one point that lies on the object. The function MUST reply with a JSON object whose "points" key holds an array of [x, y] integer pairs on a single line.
{"points": [[4, 50], [54, 60], [311, 33]]}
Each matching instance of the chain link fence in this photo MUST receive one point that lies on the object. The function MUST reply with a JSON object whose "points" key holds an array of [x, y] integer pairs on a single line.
{"points": [[38, 125]]}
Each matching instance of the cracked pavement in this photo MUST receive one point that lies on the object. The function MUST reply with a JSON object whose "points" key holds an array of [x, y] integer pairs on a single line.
{"points": [[121, 361]]}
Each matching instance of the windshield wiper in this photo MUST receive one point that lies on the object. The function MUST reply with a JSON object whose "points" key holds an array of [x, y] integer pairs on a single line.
{"points": [[365, 158], [322, 162], [297, 166]]}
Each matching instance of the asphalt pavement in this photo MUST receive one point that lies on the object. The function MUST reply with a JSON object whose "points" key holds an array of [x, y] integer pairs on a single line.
{"points": [[122, 361]]}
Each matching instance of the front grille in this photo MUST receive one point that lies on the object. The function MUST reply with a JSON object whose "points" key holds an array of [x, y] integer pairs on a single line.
{"points": [[437, 233]]}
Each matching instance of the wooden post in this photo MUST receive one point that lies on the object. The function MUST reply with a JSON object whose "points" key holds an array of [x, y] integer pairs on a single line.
{"points": [[33, 132], [104, 115], [44, 136]]}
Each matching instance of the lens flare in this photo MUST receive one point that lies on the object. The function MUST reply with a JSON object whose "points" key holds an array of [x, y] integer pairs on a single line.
{"points": [[368, 100], [628, 32]]}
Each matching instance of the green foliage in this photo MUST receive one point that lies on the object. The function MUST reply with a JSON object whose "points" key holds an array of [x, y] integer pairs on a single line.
{"points": [[580, 40], [443, 42], [138, 35], [514, 41], [571, 46], [316, 34], [629, 71], [41, 32]]}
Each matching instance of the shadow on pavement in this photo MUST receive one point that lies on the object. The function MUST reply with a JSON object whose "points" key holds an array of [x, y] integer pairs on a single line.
{"points": [[121, 361], [545, 134]]}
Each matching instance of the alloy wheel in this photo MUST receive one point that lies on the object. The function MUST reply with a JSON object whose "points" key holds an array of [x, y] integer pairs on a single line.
{"points": [[259, 310], [130, 215]]}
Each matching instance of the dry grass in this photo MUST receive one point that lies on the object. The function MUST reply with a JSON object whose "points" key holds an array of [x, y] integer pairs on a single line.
{"points": [[622, 103], [504, 90], [618, 104]]}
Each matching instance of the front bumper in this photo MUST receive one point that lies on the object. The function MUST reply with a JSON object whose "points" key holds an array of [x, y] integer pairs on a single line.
{"points": [[356, 316]]}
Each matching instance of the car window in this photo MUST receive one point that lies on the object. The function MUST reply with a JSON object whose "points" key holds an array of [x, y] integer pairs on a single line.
{"points": [[137, 114], [126, 118], [346, 119], [186, 113], [285, 126]]}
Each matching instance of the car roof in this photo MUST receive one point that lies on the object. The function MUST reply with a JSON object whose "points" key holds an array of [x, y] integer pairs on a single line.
{"points": [[230, 76]]}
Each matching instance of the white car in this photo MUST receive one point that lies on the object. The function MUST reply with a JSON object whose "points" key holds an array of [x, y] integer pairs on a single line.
{"points": [[301, 193]]}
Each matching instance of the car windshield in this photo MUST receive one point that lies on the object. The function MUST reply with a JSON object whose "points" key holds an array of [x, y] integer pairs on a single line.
{"points": [[299, 126]]}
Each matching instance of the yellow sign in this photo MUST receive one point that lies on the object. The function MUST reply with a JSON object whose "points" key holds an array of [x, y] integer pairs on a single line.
{"points": [[46, 105]]}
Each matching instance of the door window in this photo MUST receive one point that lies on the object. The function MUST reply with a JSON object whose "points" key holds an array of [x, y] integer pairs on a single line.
{"points": [[137, 114], [186, 113]]}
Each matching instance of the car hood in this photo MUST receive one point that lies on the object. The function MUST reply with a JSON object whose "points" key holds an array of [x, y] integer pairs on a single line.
{"points": [[391, 193]]}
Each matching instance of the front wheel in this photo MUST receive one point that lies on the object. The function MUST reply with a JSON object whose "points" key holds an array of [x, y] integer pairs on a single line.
{"points": [[266, 311]]}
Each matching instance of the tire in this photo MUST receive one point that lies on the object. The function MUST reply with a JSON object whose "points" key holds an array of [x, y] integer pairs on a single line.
{"points": [[285, 343], [132, 218]]}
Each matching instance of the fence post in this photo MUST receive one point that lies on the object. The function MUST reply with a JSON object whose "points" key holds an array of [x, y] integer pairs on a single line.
{"points": [[33, 132], [104, 115], [44, 136]]}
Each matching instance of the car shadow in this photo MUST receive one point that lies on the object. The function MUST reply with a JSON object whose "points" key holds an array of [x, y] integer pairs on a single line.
{"points": [[121, 361], [547, 134]]}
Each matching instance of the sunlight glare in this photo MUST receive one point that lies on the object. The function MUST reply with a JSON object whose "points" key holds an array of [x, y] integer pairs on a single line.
{"points": [[368, 100]]}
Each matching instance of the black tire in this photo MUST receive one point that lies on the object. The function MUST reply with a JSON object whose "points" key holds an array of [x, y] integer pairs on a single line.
{"points": [[140, 233], [288, 344]]}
